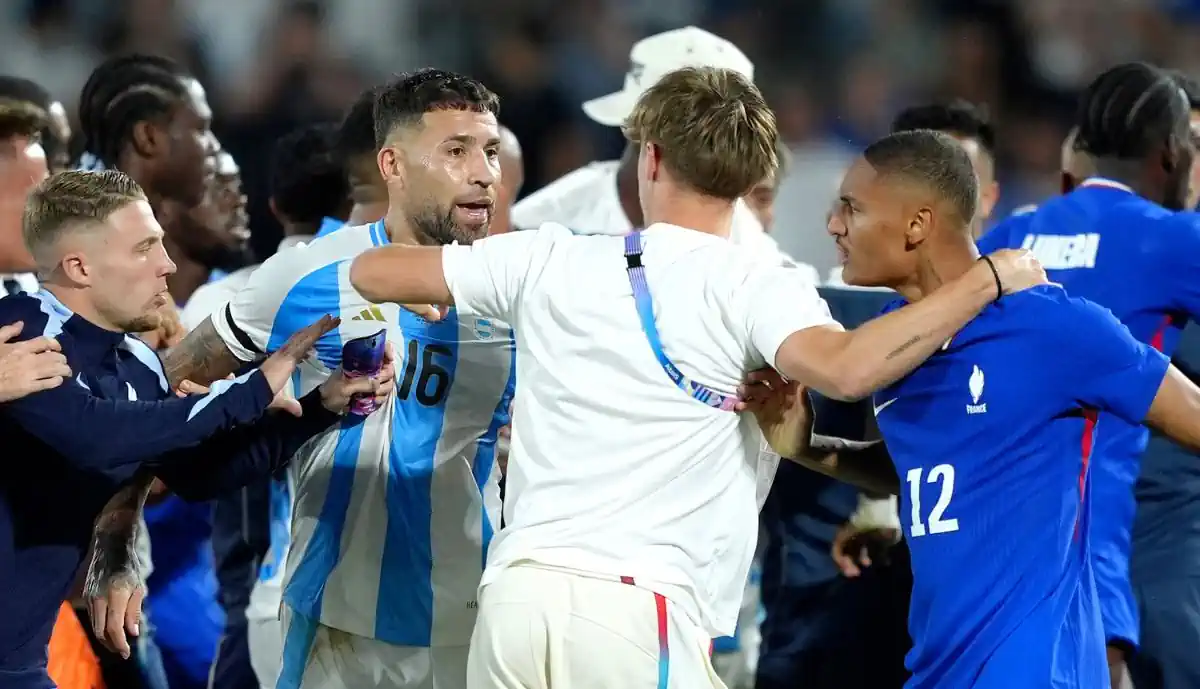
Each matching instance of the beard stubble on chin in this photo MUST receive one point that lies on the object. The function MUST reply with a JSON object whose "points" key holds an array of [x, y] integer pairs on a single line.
{"points": [[145, 323], [436, 227]]}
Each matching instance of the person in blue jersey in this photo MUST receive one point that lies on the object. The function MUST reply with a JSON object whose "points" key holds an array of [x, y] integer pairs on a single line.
{"points": [[992, 438], [357, 146], [100, 254], [391, 517], [1114, 239]]}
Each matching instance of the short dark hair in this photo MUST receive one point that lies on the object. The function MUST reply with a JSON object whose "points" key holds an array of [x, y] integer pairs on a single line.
{"points": [[307, 178], [930, 158], [121, 92], [1189, 87], [356, 135], [406, 99], [25, 110], [957, 117], [1129, 111]]}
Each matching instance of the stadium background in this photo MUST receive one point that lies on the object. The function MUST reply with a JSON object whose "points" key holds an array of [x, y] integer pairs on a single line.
{"points": [[836, 71]]}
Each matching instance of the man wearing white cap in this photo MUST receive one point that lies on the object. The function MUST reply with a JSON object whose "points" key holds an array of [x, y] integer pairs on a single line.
{"points": [[602, 197]]}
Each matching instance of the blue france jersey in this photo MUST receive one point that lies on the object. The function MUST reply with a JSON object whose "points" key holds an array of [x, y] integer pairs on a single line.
{"points": [[1106, 244], [991, 441], [392, 513]]}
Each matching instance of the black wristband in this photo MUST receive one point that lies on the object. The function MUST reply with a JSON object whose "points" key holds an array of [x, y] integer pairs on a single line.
{"points": [[996, 275]]}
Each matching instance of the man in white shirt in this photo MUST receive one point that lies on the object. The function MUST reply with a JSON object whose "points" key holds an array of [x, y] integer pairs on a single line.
{"points": [[601, 197], [634, 489]]}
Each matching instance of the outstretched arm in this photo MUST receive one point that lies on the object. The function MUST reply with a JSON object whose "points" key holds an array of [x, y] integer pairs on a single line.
{"points": [[202, 357], [785, 415], [849, 365], [1175, 410]]}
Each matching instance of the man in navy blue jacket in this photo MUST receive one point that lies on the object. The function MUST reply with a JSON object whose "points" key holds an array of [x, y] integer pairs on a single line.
{"points": [[104, 268]]}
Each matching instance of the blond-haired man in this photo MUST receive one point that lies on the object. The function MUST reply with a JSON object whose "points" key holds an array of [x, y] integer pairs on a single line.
{"points": [[634, 485]]}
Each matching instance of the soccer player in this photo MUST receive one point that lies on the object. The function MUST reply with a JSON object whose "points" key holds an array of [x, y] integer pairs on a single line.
{"points": [[391, 517], [1003, 594], [633, 487], [970, 126], [141, 115], [100, 252], [56, 131], [357, 146], [1115, 240]]}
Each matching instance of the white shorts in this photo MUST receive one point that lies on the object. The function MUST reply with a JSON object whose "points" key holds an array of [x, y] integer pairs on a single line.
{"points": [[542, 628], [320, 657], [264, 636]]}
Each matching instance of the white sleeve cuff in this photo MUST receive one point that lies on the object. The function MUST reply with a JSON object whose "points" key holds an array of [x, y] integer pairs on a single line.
{"points": [[883, 513]]}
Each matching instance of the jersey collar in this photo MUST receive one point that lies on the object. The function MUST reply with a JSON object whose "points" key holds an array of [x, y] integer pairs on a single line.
{"points": [[1107, 183]]}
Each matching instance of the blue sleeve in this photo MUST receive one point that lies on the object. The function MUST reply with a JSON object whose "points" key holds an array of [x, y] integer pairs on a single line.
{"points": [[107, 435], [240, 456], [1178, 263], [1106, 367]]}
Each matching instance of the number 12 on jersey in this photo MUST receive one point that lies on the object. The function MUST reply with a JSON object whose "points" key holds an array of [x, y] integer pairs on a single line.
{"points": [[941, 475]]}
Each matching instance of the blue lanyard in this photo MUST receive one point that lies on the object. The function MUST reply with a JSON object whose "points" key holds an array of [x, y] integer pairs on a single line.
{"points": [[645, 309]]}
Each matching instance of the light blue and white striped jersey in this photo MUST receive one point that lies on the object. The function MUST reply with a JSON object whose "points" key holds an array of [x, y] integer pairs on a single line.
{"points": [[392, 513]]}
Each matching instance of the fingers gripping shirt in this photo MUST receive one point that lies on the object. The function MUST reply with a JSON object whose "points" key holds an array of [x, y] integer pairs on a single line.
{"points": [[392, 514]]}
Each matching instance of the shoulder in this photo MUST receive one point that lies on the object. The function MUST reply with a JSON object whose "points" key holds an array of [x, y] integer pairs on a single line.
{"points": [[318, 263], [212, 296], [40, 317], [565, 198], [1007, 233], [1182, 229], [1051, 310]]}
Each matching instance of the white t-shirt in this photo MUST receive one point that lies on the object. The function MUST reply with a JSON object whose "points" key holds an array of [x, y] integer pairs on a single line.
{"points": [[612, 468], [586, 201]]}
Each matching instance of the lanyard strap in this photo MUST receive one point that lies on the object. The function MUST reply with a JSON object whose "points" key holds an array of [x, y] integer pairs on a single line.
{"points": [[645, 309]]}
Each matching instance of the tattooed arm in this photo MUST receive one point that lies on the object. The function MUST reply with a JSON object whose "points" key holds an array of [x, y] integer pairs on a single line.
{"points": [[849, 365], [202, 357]]}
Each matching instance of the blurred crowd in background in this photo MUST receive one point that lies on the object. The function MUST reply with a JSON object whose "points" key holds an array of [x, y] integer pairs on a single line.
{"points": [[836, 71]]}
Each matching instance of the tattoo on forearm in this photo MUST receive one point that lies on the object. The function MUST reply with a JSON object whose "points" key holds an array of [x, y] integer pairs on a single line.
{"points": [[114, 538], [202, 357], [904, 347]]}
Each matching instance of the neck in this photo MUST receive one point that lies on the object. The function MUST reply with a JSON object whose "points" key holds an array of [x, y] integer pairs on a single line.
{"points": [[76, 300], [189, 274], [399, 229], [694, 211], [299, 229], [1129, 173], [627, 187], [939, 263], [132, 165]]}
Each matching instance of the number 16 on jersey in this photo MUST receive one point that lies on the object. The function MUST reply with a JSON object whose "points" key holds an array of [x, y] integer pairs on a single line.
{"points": [[941, 476]]}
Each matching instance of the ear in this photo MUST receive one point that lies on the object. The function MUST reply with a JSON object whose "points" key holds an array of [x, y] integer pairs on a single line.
{"points": [[919, 226], [76, 268], [653, 161], [275, 211], [147, 139], [390, 161], [987, 200]]}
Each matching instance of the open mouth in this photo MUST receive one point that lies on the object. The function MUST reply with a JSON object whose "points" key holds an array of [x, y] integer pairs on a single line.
{"points": [[475, 212]]}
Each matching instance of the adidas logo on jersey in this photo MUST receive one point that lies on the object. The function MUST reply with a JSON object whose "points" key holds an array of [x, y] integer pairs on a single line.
{"points": [[975, 387], [370, 314]]}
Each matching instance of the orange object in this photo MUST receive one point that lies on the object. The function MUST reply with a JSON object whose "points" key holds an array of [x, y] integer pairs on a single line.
{"points": [[73, 664]]}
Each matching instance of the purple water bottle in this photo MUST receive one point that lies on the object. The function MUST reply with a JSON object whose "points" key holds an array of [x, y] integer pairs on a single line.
{"points": [[363, 356]]}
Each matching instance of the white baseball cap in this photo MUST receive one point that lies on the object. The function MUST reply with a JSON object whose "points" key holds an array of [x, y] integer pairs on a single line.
{"points": [[655, 56]]}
